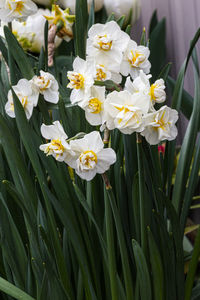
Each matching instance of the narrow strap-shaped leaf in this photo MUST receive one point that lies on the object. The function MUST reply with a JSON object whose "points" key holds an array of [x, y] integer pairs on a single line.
{"points": [[193, 181], [13, 291], [111, 249], [142, 272], [187, 149], [123, 247], [18, 54], [3, 50], [91, 20], [157, 268], [192, 268], [81, 25]]}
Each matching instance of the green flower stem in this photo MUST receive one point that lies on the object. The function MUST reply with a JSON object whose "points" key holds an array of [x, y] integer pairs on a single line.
{"points": [[121, 240], [111, 249], [141, 193]]}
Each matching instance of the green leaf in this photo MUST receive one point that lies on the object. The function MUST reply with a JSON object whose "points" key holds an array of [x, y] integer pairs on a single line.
{"points": [[142, 272], [153, 22], [192, 268], [187, 149], [157, 268], [111, 18], [3, 49], [18, 54], [122, 245], [81, 25], [121, 21], [157, 48], [192, 184], [91, 20]]}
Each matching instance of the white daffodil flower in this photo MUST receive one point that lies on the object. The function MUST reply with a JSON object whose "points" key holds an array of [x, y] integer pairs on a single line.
{"points": [[124, 8], [104, 73], [89, 156], [58, 146], [27, 96], [157, 91], [160, 125], [94, 105], [63, 19], [47, 85], [30, 34], [81, 78], [141, 84], [106, 43], [125, 111], [72, 4], [135, 59], [16, 9]]}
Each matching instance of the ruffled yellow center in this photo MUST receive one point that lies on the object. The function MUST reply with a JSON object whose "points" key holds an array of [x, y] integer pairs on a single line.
{"points": [[104, 42], [76, 80], [125, 110], [100, 74], [55, 147], [24, 101], [43, 84], [136, 58], [19, 6], [152, 91], [161, 122], [88, 159], [95, 105]]}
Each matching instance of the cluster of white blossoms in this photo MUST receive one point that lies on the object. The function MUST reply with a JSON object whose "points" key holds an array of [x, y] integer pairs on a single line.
{"points": [[28, 92], [86, 155], [16, 9], [30, 33], [111, 54]]}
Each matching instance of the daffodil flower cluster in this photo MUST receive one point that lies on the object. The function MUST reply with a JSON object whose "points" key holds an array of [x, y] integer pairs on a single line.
{"points": [[28, 92], [16, 9], [86, 155], [112, 55]]}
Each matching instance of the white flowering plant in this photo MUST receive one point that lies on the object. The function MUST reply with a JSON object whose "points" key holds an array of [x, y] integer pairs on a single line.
{"points": [[89, 207]]}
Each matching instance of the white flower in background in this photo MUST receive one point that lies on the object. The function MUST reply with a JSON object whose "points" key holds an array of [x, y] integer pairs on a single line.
{"points": [[135, 59], [89, 156], [120, 8], [106, 43], [27, 96], [16, 9], [58, 146], [160, 125], [81, 78], [43, 2], [72, 4], [94, 105], [64, 20], [47, 85], [125, 111], [30, 34], [157, 91], [104, 73]]}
